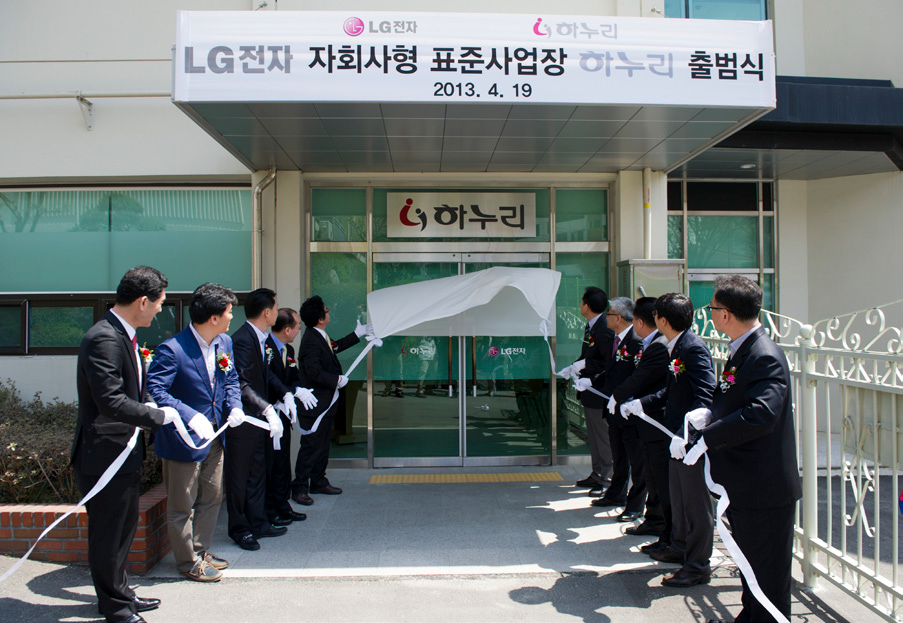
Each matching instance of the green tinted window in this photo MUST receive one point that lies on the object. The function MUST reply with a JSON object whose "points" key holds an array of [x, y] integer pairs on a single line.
{"points": [[339, 214], [768, 241], [10, 326], [581, 215], [675, 237], [58, 326], [722, 242], [86, 240]]}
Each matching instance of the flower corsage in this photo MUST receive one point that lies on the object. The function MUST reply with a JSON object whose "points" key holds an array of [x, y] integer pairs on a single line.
{"points": [[728, 378], [622, 354], [590, 340], [146, 354], [638, 358], [268, 352], [224, 362], [677, 367], [290, 361]]}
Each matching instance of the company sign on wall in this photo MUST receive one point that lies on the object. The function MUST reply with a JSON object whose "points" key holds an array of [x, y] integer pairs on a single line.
{"points": [[306, 56], [460, 215]]}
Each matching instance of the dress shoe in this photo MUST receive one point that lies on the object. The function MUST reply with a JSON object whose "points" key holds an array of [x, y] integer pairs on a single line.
{"points": [[248, 542], [628, 516], [303, 499], [215, 561], [605, 502], [202, 572], [328, 490], [645, 528], [271, 531], [143, 604], [590, 481], [597, 491], [281, 521], [135, 618], [291, 516], [684, 579], [651, 547], [666, 555]]}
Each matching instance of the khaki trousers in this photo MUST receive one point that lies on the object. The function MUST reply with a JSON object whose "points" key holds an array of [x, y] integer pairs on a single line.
{"points": [[194, 495]]}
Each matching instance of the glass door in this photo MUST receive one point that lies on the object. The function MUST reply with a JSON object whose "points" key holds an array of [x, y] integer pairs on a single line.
{"points": [[424, 415], [416, 412], [507, 402]]}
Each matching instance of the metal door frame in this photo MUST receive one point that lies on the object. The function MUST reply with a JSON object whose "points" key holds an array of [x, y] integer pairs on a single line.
{"points": [[462, 460]]}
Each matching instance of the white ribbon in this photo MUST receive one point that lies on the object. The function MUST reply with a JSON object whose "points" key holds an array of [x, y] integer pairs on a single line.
{"points": [[102, 482]]}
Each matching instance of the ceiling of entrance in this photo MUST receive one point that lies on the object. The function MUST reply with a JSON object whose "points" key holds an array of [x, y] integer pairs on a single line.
{"points": [[412, 138]]}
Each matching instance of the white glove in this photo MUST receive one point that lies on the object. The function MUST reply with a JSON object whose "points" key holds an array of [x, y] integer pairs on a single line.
{"points": [[343, 381], [631, 407], [306, 396], [699, 418], [237, 417], [695, 452], [583, 384], [611, 405], [567, 372], [289, 401], [170, 415], [362, 329], [678, 451], [201, 426], [151, 404], [273, 420], [578, 366]]}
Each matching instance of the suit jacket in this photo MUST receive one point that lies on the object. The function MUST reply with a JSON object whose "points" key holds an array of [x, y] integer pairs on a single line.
{"points": [[319, 366], [690, 389], [751, 439], [260, 387], [596, 351], [110, 403], [287, 372], [649, 377], [178, 378], [620, 368]]}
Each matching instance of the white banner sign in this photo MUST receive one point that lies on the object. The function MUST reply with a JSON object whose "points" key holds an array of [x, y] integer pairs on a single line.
{"points": [[461, 215], [307, 56]]}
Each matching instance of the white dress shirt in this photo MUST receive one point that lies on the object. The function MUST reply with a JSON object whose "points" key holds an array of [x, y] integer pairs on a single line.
{"points": [[131, 332], [208, 351]]}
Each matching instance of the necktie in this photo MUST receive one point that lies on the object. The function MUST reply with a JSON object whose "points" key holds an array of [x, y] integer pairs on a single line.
{"points": [[328, 341], [284, 352], [138, 355], [614, 347], [586, 331]]}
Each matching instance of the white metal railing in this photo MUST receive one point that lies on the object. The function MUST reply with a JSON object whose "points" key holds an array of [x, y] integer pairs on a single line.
{"points": [[847, 382]]}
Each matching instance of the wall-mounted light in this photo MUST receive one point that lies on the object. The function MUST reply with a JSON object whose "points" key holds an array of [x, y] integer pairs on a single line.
{"points": [[748, 165]]}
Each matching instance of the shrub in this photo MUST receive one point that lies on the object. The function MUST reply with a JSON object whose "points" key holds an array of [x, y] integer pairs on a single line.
{"points": [[35, 445]]}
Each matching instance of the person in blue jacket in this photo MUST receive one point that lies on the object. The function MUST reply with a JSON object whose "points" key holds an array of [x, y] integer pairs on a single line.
{"points": [[194, 373]]}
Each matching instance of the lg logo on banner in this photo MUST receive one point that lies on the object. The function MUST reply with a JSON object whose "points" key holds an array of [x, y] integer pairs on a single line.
{"points": [[354, 27]]}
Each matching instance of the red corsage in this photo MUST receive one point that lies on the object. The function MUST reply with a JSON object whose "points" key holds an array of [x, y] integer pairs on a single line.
{"points": [[677, 366], [146, 354], [224, 362], [728, 378]]}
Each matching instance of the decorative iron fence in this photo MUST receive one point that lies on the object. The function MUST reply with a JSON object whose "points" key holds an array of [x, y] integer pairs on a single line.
{"points": [[847, 382]]}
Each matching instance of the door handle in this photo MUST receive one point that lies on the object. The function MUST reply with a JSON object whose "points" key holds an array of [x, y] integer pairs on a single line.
{"points": [[450, 358], [473, 364]]}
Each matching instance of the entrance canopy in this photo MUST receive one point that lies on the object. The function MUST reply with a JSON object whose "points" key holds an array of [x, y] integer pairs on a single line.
{"points": [[423, 92], [498, 301]]}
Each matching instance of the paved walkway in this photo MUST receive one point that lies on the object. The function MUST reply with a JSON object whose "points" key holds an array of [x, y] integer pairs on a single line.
{"points": [[485, 551]]}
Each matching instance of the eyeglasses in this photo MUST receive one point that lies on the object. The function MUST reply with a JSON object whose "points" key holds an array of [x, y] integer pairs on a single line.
{"points": [[710, 306], [612, 314]]}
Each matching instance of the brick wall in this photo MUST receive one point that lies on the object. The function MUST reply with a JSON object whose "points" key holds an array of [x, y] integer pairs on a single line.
{"points": [[21, 524]]}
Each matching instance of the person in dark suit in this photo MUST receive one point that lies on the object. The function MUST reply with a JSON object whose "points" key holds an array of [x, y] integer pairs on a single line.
{"points": [[279, 462], [650, 376], [321, 371], [691, 383], [595, 354], [626, 448], [112, 397], [751, 444], [193, 373], [245, 465]]}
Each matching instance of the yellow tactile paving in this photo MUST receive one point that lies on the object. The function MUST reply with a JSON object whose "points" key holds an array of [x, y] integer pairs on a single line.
{"points": [[394, 479]]}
